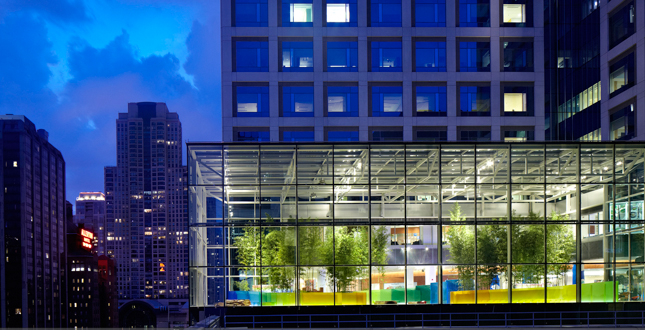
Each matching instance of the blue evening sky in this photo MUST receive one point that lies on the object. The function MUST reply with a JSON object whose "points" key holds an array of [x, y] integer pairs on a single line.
{"points": [[71, 65]]}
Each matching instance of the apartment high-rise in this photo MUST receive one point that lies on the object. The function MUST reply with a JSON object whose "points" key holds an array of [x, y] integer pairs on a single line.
{"points": [[147, 230], [32, 231], [90, 211], [431, 70]]}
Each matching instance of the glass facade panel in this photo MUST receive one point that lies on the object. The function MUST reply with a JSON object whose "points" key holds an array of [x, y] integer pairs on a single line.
{"points": [[252, 56], [297, 101], [251, 13], [342, 101], [251, 101], [429, 13], [431, 101], [386, 56], [387, 101], [518, 56], [297, 13], [341, 13], [622, 24], [474, 101], [385, 13], [342, 56], [313, 224], [430, 56], [621, 75], [297, 56], [474, 56], [474, 13]]}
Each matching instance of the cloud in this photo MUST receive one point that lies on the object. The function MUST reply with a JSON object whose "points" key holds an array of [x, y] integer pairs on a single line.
{"points": [[57, 11]]}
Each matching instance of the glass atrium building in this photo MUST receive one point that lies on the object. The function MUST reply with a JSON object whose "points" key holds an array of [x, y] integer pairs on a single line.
{"points": [[317, 224]]}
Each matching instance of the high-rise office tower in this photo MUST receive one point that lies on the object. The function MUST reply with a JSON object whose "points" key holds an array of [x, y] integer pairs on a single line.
{"points": [[90, 211], [431, 70], [146, 208], [32, 230]]}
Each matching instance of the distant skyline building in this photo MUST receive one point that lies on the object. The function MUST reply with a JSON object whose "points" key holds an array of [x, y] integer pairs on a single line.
{"points": [[83, 278], [147, 229], [33, 226], [90, 211]]}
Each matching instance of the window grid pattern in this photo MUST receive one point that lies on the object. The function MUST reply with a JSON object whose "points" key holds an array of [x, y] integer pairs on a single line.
{"points": [[524, 188]]}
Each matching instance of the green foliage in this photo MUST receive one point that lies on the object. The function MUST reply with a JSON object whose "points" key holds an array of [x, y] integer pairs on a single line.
{"points": [[380, 243], [242, 285], [351, 248], [462, 248]]}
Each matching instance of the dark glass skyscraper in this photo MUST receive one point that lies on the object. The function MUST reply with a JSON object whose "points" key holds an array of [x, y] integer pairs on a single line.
{"points": [[32, 228]]}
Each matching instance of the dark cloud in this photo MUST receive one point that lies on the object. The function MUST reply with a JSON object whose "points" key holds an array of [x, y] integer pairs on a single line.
{"points": [[57, 11], [24, 72]]}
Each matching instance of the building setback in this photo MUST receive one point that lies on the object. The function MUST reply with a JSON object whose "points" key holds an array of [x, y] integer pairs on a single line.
{"points": [[32, 231], [147, 232], [90, 211]]}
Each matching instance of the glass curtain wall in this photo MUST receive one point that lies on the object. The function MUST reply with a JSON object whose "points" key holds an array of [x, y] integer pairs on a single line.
{"points": [[301, 224]]}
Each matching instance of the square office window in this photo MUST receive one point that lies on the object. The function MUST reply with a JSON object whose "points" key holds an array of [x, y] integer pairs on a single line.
{"points": [[518, 100], [474, 101], [518, 56], [297, 136], [251, 101], [621, 76], [252, 136], [342, 136], [251, 56], [297, 13], [474, 135], [515, 13], [474, 56], [297, 56], [474, 13], [386, 56], [518, 136], [430, 56], [431, 101], [386, 135], [297, 101], [341, 13], [342, 101], [622, 123], [342, 56], [429, 13], [622, 24], [251, 13], [431, 136], [387, 101], [385, 13]]}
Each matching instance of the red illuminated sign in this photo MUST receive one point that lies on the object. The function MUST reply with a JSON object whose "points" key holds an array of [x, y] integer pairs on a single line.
{"points": [[87, 237]]}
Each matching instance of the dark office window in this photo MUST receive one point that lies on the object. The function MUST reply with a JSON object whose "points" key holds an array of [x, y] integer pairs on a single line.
{"points": [[386, 56], [297, 101], [251, 101], [431, 101], [430, 56], [251, 13], [341, 13], [622, 24], [474, 135], [297, 56], [297, 13], [518, 56], [252, 136], [621, 75], [474, 13], [342, 56], [518, 136], [623, 123], [387, 101], [252, 56], [431, 136], [385, 13], [342, 136], [518, 101], [474, 100], [342, 101], [517, 13], [387, 135], [474, 56], [429, 13], [297, 136]]}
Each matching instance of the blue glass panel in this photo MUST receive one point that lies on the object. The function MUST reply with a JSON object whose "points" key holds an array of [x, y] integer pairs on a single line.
{"points": [[432, 136], [252, 136], [342, 56], [474, 13], [342, 136], [474, 56], [387, 101], [430, 56], [251, 13], [430, 13], [386, 56], [342, 101], [252, 101], [297, 56], [387, 135], [385, 13], [518, 56], [298, 101], [474, 100], [431, 101], [298, 136], [252, 56]]}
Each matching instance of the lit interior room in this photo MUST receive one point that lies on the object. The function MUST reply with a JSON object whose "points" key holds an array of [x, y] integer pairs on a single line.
{"points": [[377, 224]]}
